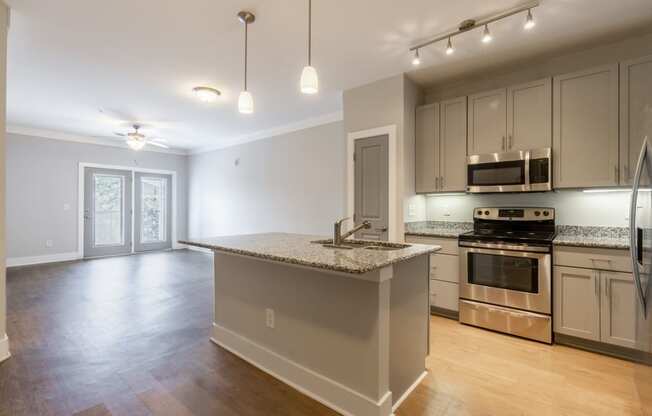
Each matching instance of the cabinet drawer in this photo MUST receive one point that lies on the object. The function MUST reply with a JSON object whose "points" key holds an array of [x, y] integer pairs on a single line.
{"points": [[444, 295], [448, 245], [593, 258], [445, 267]]}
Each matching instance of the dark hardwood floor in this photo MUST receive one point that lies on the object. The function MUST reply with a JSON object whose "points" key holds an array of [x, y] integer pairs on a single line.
{"points": [[128, 336]]}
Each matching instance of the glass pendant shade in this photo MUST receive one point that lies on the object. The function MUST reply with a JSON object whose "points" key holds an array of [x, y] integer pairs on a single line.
{"points": [[135, 144], [246, 103], [309, 80]]}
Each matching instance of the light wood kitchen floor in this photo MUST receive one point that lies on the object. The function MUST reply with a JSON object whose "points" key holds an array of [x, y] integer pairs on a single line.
{"points": [[129, 336]]}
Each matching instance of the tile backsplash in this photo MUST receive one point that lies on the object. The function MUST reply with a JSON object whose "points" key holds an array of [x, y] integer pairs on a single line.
{"points": [[572, 207]]}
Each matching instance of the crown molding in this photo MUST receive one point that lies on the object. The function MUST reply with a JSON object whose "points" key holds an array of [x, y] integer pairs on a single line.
{"points": [[272, 132], [68, 137]]}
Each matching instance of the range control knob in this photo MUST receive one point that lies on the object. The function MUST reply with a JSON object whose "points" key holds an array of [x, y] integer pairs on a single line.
{"points": [[486, 213], [479, 212], [546, 213], [537, 213]]}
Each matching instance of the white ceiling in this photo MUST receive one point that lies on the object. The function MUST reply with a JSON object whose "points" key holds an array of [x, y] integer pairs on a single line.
{"points": [[140, 59]]}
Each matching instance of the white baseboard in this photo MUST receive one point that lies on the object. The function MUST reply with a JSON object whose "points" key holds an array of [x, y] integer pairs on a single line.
{"points": [[409, 390], [330, 393], [49, 258], [4, 348]]}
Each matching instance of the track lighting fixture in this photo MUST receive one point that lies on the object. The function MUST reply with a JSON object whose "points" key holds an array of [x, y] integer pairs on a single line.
{"points": [[416, 61], [529, 21], [471, 24], [486, 35]]}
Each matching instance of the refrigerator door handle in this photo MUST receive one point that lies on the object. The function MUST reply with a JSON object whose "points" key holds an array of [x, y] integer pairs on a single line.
{"points": [[635, 243]]}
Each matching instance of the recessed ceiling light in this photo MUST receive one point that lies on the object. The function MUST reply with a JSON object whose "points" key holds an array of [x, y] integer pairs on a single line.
{"points": [[206, 94]]}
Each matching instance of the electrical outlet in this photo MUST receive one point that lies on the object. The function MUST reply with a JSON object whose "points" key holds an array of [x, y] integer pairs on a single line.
{"points": [[269, 318], [49, 243]]}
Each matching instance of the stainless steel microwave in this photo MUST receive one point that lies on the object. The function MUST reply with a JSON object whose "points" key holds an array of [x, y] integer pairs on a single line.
{"points": [[520, 171]]}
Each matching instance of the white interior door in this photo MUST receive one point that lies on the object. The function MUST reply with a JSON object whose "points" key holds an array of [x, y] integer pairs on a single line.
{"points": [[372, 186], [153, 212], [107, 212]]}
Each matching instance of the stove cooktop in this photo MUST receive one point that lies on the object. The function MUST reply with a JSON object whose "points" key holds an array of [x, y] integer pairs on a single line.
{"points": [[538, 237]]}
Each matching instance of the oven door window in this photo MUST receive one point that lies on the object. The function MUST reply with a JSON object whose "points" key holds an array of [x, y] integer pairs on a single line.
{"points": [[504, 272], [498, 173]]}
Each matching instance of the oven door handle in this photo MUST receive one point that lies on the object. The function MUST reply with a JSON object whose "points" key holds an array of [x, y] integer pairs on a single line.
{"points": [[511, 247]]}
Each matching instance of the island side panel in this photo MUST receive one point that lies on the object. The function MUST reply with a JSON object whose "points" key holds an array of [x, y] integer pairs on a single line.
{"points": [[408, 324], [332, 324]]}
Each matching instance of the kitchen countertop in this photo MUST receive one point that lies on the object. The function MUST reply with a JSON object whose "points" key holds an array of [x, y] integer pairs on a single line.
{"points": [[299, 249], [448, 229], [598, 237]]}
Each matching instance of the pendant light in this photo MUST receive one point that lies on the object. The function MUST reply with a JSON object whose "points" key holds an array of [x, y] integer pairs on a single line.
{"points": [[529, 20], [486, 35], [309, 78], [449, 47], [416, 61], [246, 101]]}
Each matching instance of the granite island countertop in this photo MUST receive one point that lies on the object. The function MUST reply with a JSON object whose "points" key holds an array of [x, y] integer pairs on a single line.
{"points": [[299, 249], [447, 229], [590, 236]]}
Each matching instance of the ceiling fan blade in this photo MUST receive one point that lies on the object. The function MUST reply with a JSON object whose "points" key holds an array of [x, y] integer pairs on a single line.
{"points": [[158, 139], [158, 144]]}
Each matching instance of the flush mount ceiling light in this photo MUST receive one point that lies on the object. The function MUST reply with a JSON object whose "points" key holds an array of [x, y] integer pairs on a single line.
{"points": [[246, 100], [471, 24], [206, 94], [309, 79]]}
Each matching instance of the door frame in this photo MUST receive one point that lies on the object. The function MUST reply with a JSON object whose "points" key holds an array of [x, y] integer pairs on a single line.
{"points": [[392, 168], [133, 170]]}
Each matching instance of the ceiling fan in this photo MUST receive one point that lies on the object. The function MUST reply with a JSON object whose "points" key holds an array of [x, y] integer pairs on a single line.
{"points": [[136, 140]]}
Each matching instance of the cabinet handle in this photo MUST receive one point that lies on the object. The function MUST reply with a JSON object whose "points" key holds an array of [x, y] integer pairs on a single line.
{"points": [[616, 174], [509, 145], [503, 143], [607, 292], [437, 183], [441, 182], [626, 171]]}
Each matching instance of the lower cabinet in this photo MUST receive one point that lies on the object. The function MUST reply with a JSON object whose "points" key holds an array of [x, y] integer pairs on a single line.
{"points": [[597, 305]]}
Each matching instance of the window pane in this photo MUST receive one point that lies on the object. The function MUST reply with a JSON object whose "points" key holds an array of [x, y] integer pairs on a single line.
{"points": [[153, 206], [108, 210]]}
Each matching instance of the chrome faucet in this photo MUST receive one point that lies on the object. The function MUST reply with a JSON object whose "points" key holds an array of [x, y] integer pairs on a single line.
{"points": [[338, 237]]}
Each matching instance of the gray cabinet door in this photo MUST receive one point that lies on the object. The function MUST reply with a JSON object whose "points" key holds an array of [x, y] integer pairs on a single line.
{"points": [[585, 128], [371, 186], [529, 115], [488, 122], [152, 212], [107, 212], [635, 113], [452, 139], [618, 309], [577, 302], [426, 150]]}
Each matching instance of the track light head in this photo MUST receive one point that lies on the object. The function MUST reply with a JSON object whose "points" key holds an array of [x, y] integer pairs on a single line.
{"points": [[529, 21]]}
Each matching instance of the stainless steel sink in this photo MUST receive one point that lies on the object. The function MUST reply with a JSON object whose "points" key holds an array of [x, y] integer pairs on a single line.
{"points": [[363, 244]]}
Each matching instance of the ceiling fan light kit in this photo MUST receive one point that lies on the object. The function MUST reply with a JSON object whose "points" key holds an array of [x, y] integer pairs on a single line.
{"points": [[206, 94], [471, 24]]}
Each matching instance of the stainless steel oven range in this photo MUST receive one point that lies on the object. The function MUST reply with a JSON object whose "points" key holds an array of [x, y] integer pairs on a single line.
{"points": [[506, 271]]}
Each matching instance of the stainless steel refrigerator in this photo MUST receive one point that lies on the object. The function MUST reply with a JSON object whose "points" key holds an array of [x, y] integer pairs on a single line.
{"points": [[640, 228]]}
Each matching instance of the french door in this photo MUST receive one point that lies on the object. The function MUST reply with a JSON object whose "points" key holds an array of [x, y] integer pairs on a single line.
{"points": [[153, 205], [126, 211], [107, 212]]}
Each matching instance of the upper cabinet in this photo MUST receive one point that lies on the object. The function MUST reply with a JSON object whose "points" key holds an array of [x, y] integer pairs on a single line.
{"points": [[585, 128], [635, 113], [529, 115], [488, 122], [440, 148], [516, 118], [427, 149], [452, 139]]}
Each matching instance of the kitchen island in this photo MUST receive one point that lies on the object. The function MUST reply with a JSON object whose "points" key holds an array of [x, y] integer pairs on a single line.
{"points": [[346, 326]]}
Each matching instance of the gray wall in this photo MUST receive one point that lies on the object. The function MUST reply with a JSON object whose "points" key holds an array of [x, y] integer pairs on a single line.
{"points": [[3, 111], [42, 178], [292, 183]]}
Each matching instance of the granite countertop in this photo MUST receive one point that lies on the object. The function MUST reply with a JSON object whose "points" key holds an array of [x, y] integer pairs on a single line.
{"points": [[299, 249], [449, 229], [598, 237]]}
